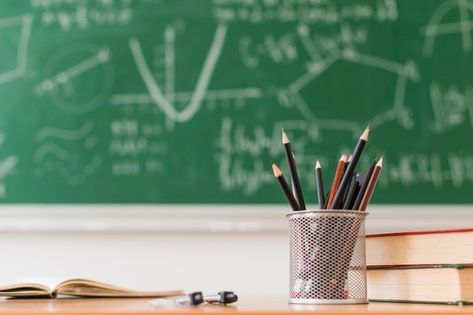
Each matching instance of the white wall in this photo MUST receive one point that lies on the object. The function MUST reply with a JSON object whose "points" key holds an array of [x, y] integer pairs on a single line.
{"points": [[208, 248], [249, 262]]}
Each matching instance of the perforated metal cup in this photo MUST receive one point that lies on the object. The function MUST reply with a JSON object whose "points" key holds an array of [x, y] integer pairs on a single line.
{"points": [[327, 257]]}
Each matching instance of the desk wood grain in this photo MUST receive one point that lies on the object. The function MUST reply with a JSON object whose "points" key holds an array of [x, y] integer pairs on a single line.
{"points": [[246, 306]]}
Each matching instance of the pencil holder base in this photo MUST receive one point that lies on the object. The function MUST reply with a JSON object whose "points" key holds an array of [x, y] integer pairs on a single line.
{"points": [[327, 257], [319, 301]]}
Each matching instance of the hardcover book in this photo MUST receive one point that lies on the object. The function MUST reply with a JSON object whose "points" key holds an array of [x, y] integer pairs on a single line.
{"points": [[446, 284], [420, 247]]}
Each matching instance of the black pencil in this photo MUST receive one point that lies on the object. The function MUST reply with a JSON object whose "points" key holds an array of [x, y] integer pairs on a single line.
{"points": [[347, 192], [338, 200], [352, 193], [326, 199], [346, 164], [363, 187], [320, 185], [285, 188], [344, 170], [293, 169], [293, 187]]}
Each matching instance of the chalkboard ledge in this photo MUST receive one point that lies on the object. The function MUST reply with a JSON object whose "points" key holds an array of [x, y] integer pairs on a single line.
{"points": [[209, 218]]}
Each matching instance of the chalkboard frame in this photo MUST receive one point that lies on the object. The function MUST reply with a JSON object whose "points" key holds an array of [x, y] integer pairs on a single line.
{"points": [[184, 219]]}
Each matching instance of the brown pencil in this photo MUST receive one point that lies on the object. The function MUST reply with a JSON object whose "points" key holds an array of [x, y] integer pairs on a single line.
{"points": [[285, 188], [336, 179], [364, 185], [371, 185]]}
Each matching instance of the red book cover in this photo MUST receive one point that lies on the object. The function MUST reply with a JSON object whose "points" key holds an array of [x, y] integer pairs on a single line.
{"points": [[420, 266], [437, 231]]}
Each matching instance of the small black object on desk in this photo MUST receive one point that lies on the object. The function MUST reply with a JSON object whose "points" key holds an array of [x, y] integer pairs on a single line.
{"points": [[223, 297], [193, 298]]}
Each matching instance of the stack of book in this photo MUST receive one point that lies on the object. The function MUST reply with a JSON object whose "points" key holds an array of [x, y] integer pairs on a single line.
{"points": [[421, 267]]}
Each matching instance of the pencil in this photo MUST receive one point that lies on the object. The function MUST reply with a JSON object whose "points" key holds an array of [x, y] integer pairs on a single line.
{"points": [[293, 169], [371, 185], [320, 185], [347, 163], [338, 199], [351, 195], [363, 186], [336, 179], [326, 200], [343, 173], [293, 187], [354, 178], [285, 188], [293, 190]]}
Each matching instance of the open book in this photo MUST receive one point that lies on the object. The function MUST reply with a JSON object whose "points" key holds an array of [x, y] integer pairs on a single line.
{"points": [[79, 288]]}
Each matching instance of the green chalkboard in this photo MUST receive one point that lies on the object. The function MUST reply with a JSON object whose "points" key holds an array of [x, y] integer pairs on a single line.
{"points": [[183, 101]]}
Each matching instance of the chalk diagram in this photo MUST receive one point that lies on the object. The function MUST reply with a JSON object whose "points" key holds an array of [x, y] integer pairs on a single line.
{"points": [[16, 32], [397, 111], [436, 28], [166, 96], [70, 153], [235, 147], [7, 167], [79, 78], [451, 106]]}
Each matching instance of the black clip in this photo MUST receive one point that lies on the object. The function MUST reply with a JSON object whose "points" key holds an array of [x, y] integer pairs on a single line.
{"points": [[223, 297]]}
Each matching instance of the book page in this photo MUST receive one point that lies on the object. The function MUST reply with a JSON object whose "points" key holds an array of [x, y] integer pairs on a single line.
{"points": [[25, 290], [92, 288]]}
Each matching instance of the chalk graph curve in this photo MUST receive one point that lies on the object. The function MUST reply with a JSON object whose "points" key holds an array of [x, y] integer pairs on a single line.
{"points": [[201, 86], [435, 27]]}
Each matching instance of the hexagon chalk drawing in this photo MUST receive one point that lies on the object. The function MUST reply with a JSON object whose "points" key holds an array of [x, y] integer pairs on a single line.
{"points": [[320, 66]]}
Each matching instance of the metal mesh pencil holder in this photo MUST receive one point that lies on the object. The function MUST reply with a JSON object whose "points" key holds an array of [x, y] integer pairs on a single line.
{"points": [[327, 257]]}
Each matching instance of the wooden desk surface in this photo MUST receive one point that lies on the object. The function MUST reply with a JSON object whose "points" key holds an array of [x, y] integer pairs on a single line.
{"points": [[246, 306]]}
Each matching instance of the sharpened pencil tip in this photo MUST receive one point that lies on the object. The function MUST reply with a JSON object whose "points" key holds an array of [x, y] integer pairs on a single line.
{"points": [[317, 165], [364, 135], [285, 139], [343, 158], [276, 170], [380, 162]]}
